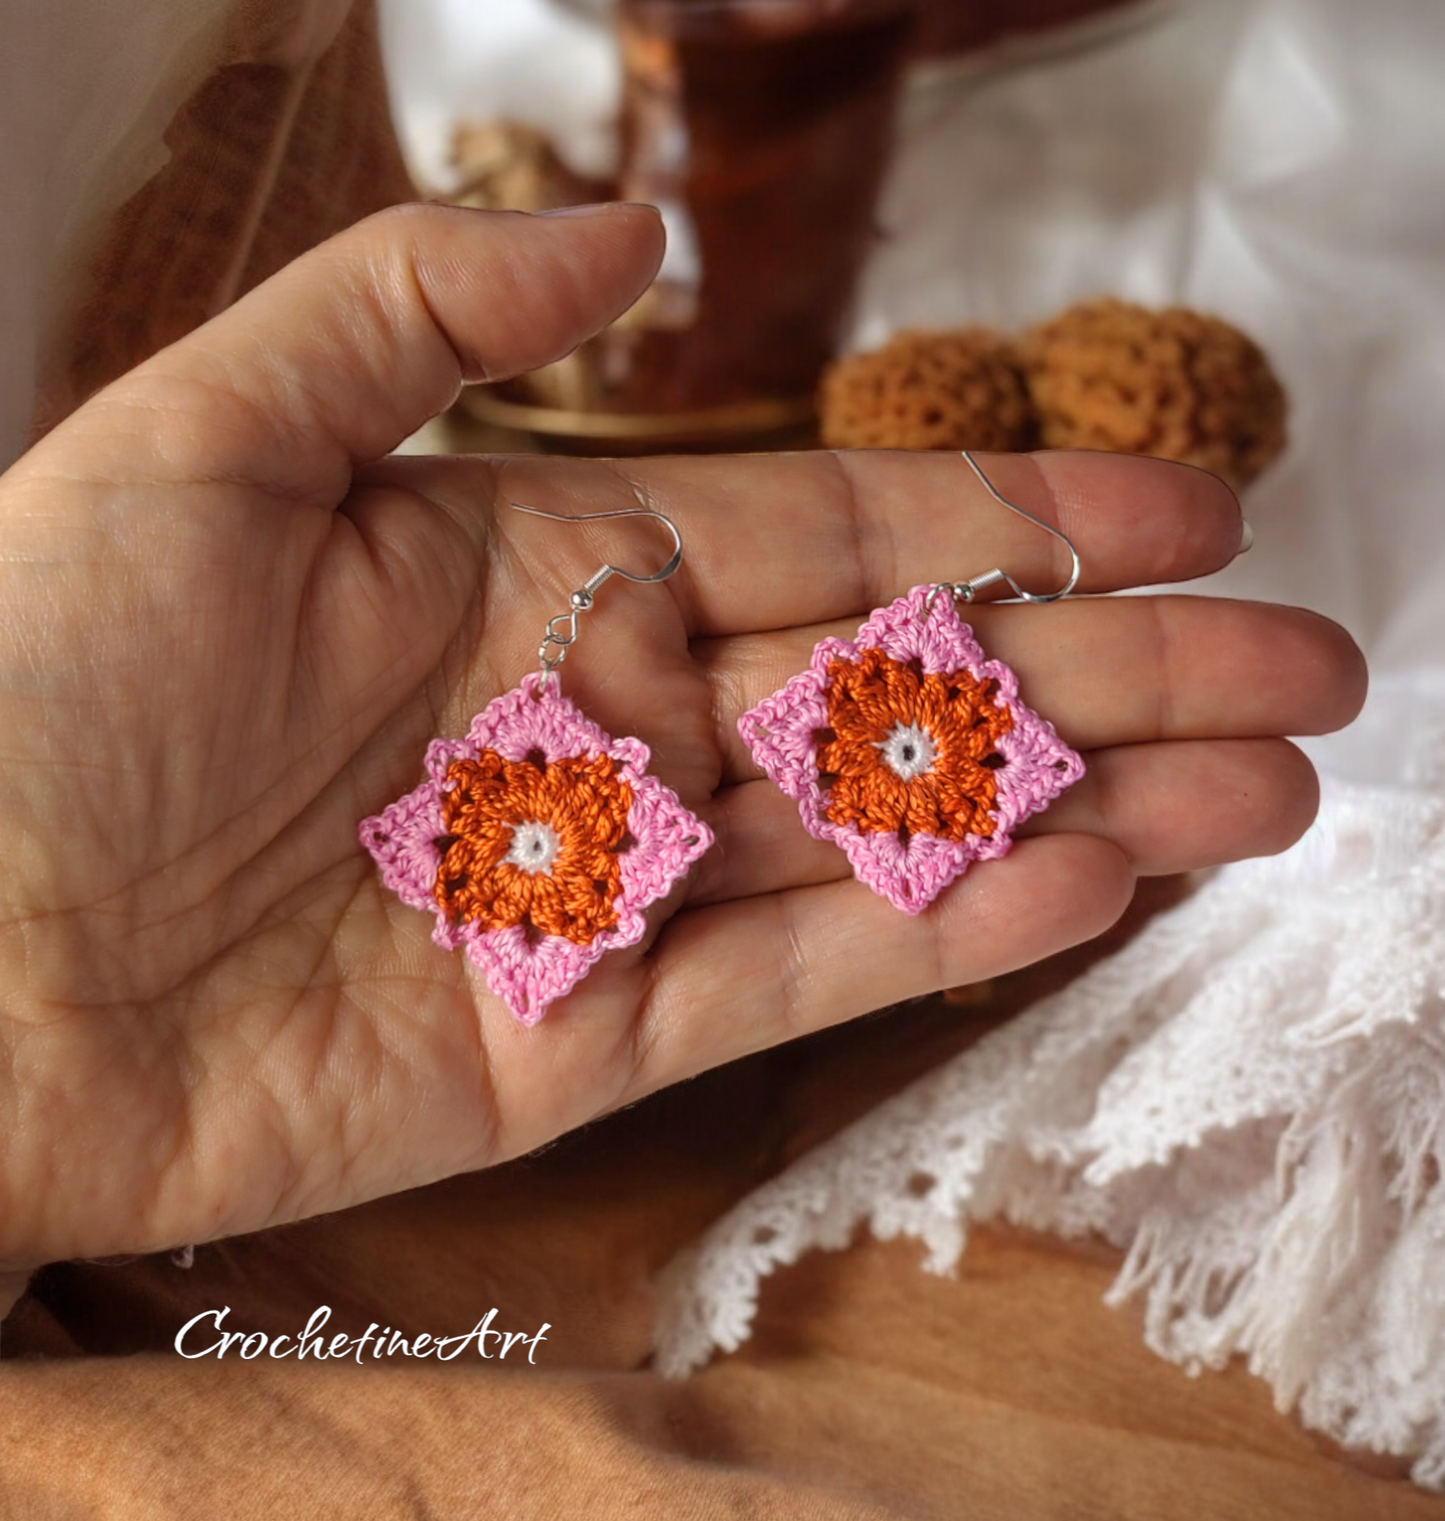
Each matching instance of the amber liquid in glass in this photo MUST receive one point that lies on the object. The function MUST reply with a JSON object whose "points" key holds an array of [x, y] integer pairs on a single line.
{"points": [[764, 133]]}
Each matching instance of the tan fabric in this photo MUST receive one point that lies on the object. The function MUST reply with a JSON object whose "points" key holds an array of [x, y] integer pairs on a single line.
{"points": [[870, 1390], [283, 143]]}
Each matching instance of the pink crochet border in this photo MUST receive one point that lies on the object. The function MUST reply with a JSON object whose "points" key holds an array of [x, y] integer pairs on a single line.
{"points": [[1038, 764], [530, 977]]}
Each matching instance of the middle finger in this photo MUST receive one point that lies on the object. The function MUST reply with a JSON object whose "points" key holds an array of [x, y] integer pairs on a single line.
{"points": [[1106, 671]]}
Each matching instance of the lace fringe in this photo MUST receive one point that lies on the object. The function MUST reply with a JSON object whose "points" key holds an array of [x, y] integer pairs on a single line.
{"points": [[1249, 1099]]}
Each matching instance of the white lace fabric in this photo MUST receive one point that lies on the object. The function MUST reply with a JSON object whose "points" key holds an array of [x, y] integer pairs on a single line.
{"points": [[1249, 1099]]}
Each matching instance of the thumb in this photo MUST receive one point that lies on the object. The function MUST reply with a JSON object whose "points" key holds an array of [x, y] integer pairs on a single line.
{"points": [[345, 352]]}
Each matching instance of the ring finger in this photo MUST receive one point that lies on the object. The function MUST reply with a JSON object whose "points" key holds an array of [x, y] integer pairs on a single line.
{"points": [[1169, 807]]}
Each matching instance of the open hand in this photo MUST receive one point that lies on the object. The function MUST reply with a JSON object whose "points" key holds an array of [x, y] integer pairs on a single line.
{"points": [[229, 625]]}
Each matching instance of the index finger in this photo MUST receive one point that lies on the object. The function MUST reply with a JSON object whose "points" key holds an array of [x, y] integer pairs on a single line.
{"points": [[785, 540]]}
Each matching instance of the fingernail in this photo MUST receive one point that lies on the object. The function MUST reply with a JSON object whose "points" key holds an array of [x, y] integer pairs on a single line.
{"points": [[1246, 540], [596, 209]]}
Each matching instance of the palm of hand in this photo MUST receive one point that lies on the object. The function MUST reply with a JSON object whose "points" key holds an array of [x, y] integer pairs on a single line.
{"points": [[222, 645], [228, 985]]}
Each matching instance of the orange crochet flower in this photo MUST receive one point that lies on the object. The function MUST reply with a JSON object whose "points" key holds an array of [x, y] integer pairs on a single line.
{"points": [[910, 753], [533, 843]]}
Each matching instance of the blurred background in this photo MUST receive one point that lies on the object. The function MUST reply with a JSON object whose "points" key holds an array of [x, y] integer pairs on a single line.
{"points": [[1206, 229], [765, 131]]}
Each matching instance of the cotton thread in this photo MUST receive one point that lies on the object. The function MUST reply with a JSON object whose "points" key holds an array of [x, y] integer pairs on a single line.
{"points": [[886, 791], [998, 762], [582, 803], [532, 757]]}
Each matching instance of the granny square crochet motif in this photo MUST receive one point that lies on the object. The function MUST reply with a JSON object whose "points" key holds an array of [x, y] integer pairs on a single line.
{"points": [[908, 748], [536, 841]]}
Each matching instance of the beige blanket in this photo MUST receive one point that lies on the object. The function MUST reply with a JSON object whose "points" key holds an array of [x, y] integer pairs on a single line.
{"points": [[870, 1389]]}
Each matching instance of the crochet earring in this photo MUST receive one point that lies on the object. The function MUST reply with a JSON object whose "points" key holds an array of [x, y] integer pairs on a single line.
{"points": [[538, 840], [907, 747]]}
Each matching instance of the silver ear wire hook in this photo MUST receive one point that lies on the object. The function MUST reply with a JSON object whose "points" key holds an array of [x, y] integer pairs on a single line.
{"points": [[561, 639], [967, 591]]}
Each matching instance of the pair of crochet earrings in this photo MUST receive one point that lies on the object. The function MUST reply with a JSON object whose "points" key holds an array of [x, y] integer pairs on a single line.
{"points": [[538, 840]]}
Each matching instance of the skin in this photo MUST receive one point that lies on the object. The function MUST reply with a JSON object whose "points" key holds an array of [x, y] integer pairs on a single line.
{"points": [[229, 624]]}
